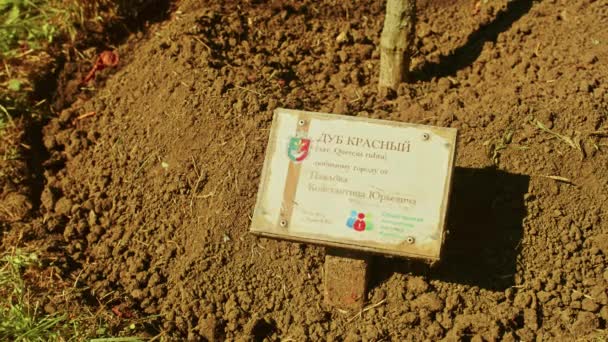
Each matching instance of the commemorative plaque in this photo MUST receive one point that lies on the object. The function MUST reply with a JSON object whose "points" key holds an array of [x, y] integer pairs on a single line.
{"points": [[356, 183]]}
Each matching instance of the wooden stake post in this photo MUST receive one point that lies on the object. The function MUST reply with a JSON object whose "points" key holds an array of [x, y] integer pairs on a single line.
{"points": [[345, 277]]}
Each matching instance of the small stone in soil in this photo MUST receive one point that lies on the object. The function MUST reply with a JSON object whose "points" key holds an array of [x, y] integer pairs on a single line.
{"points": [[590, 305], [429, 301], [586, 323], [47, 198], [444, 84], [522, 300], [17, 205], [417, 285], [63, 206]]}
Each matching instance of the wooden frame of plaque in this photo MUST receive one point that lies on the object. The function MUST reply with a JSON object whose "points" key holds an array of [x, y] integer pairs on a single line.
{"points": [[357, 183]]}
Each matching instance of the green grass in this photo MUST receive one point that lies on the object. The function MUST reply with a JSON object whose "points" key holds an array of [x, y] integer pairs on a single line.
{"points": [[496, 146], [23, 319], [5, 118], [116, 339], [26, 23], [32, 34], [30, 25], [20, 318], [28, 29]]}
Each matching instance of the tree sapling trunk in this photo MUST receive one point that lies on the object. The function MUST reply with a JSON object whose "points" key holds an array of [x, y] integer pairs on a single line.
{"points": [[396, 41]]}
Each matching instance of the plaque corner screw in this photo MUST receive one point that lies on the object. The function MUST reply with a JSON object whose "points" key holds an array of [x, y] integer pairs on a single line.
{"points": [[410, 240], [426, 136], [283, 223], [302, 122]]}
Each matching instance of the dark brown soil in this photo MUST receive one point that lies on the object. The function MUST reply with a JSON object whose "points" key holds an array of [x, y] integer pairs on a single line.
{"points": [[152, 195]]}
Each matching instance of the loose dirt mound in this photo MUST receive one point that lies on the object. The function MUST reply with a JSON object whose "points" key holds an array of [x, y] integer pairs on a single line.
{"points": [[153, 194]]}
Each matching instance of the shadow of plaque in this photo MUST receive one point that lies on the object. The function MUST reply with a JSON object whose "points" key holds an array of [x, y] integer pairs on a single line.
{"points": [[485, 228]]}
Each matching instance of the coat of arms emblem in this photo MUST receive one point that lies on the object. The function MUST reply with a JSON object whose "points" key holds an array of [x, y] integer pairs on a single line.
{"points": [[298, 149]]}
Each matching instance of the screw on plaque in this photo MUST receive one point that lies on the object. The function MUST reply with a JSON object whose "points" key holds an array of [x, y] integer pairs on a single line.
{"points": [[283, 223], [302, 122], [426, 136], [410, 240]]}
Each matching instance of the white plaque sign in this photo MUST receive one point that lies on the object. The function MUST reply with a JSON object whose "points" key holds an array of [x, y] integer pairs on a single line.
{"points": [[356, 183]]}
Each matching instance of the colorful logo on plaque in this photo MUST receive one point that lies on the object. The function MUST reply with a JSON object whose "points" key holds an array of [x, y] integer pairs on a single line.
{"points": [[298, 149], [359, 221]]}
